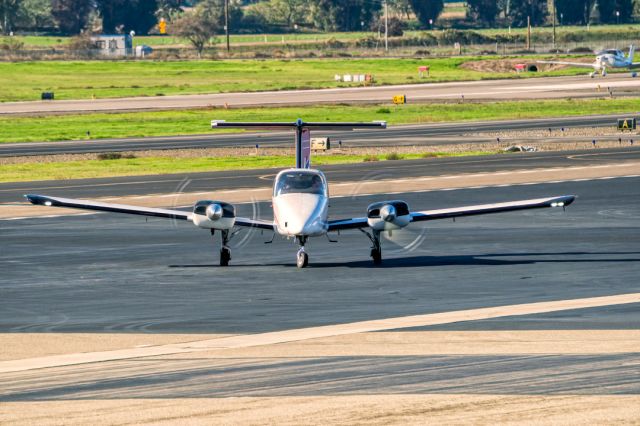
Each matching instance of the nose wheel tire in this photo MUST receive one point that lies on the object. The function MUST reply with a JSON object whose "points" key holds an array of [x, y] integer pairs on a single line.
{"points": [[376, 254], [225, 256], [302, 259]]}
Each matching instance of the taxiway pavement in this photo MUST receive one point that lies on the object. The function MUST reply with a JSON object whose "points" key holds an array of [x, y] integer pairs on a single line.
{"points": [[409, 135], [357, 172], [118, 274]]}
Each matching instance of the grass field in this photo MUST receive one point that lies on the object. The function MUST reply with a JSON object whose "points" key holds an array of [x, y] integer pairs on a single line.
{"points": [[36, 171], [23, 81], [186, 122]]}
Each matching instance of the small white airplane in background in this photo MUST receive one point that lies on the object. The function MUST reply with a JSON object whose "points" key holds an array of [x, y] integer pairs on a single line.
{"points": [[610, 58], [301, 203]]}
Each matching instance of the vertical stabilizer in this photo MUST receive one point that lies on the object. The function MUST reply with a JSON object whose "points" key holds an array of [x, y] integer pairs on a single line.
{"points": [[632, 49]]}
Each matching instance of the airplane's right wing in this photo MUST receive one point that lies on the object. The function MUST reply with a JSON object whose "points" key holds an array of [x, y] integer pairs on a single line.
{"points": [[573, 64], [45, 200]]}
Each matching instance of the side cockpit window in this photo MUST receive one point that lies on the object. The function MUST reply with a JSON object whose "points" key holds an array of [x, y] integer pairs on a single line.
{"points": [[300, 183]]}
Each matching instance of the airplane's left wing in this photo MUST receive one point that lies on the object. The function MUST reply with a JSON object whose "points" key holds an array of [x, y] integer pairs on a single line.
{"points": [[538, 203], [136, 210], [418, 216]]}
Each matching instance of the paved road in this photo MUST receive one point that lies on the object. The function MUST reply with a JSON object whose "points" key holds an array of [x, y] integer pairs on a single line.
{"points": [[534, 88], [238, 179], [119, 274], [426, 134]]}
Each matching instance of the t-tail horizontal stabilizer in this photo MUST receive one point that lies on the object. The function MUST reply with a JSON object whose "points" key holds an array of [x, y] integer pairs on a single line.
{"points": [[302, 131]]}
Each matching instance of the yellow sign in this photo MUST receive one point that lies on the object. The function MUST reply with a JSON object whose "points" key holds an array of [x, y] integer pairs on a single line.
{"points": [[162, 26], [399, 99], [626, 124]]}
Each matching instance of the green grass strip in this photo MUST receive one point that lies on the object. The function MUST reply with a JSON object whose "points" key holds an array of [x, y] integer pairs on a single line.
{"points": [[25, 81], [163, 165]]}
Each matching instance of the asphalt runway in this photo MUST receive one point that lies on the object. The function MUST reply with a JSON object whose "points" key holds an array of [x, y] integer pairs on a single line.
{"points": [[412, 135], [119, 274], [518, 88], [239, 179]]}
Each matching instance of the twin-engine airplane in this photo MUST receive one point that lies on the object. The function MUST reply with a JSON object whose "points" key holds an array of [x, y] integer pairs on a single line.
{"points": [[301, 203], [610, 58]]}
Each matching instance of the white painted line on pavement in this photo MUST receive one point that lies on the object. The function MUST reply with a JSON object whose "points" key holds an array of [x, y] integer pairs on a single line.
{"points": [[294, 335]]}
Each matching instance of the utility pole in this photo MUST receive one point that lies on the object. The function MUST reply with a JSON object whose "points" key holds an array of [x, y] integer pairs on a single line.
{"points": [[226, 22], [386, 26], [553, 6], [528, 33]]}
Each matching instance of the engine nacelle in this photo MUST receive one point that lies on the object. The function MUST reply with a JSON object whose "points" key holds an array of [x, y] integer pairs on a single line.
{"points": [[388, 215], [213, 215]]}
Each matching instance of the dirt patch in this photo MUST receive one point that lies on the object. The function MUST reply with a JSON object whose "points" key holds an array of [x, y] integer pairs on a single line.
{"points": [[509, 65]]}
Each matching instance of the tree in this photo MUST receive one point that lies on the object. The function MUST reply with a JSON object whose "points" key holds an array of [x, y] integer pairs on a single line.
{"points": [[574, 11], [197, 26], [9, 14], [401, 7], [168, 8], [426, 10], [345, 15], [287, 11], [35, 14], [519, 10], [71, 16], [127, 15], [608, 9], [482, 11]]}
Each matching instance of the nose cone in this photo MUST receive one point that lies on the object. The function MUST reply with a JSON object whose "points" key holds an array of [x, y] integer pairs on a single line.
{"points": [[214, 211], [388, 213], [300, 214]]}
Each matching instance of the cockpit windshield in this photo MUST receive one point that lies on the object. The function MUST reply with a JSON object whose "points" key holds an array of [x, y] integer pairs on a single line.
{"points": [[299, 182]]}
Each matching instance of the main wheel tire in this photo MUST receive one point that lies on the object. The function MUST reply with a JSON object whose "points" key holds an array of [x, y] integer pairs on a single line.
{"points": [[225, 257], [302, 260], [377, 256]]}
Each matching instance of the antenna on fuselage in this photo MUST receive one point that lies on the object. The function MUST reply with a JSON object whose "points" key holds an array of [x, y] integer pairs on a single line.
{"points": [[302, 132]]}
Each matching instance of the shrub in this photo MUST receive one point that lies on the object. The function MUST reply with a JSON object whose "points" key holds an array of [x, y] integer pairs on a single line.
{"points": [[11, 44], [114, 156], [383, 111], [334, 43], [370, 158], [393, 156]]}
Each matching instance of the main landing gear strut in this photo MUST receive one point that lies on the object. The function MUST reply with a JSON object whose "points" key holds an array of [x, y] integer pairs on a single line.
{"points": [[376, 246], [225, 252], [302, 258]]}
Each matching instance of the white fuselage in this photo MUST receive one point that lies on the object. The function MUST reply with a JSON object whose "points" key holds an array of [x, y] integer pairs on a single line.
{"points": [[300, 212]]}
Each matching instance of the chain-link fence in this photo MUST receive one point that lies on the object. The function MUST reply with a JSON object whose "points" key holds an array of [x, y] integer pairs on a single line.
{"points": [[372, 48]]}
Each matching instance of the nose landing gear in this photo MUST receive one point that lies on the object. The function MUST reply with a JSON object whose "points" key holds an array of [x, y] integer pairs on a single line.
{"points": [[376, 246], [302, 258], [225, 252]]}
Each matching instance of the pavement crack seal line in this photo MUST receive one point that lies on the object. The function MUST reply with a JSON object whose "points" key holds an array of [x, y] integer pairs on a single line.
{"points": [[294, 335]]}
